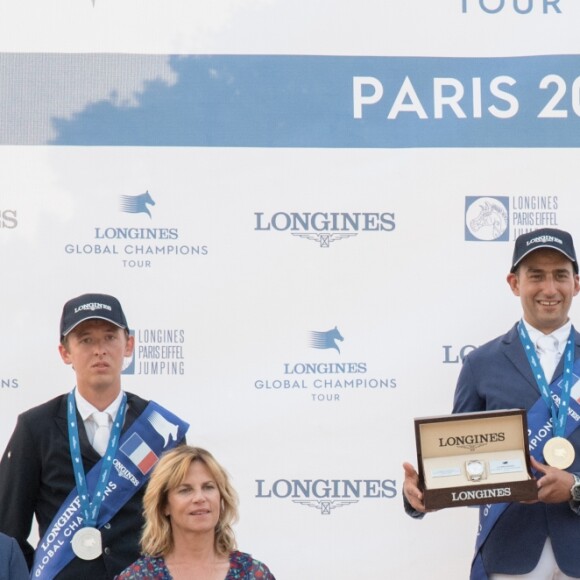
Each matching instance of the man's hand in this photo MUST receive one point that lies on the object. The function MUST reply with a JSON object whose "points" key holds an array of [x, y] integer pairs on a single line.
{"points": [[411, 488], [554, 485]]}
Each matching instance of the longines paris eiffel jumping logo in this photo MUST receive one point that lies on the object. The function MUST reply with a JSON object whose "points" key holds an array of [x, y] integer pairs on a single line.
{"points": [[487, 219]]}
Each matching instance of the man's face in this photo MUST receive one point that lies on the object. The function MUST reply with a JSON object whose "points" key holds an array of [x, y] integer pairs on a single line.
{"points": [[546, 283], [96, 349]]}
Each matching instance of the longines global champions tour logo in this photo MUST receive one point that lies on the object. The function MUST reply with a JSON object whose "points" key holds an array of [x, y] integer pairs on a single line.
{"points": [[325, 379], [137, 245]]}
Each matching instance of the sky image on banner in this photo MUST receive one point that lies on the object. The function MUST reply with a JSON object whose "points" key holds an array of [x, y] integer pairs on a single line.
{"points": [[307, 211], [298, 101]]}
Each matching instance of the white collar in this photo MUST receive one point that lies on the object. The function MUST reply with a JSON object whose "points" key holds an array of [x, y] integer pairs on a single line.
{"points": [[560, 334], [86, 409]]}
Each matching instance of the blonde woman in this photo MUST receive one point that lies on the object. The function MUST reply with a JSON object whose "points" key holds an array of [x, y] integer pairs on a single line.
{"points": [[189, 509]]}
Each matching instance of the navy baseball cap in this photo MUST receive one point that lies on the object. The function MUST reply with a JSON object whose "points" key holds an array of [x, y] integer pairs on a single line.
{"points": [[554, 239], [88, 306]]}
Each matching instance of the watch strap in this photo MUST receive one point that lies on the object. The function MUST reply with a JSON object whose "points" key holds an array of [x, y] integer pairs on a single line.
{"points": [[575, 489]]}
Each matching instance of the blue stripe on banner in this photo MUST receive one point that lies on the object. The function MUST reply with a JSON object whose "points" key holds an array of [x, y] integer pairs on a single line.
{"points": [[131, 445], [293, 101]]}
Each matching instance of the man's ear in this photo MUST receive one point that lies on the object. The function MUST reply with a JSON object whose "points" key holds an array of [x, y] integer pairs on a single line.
{"points": [[64, 354], [514, 283], [130, 346]]}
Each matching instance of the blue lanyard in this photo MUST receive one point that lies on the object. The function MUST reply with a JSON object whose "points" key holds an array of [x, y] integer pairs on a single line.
{"points": [[560, 416], [90, 509]]}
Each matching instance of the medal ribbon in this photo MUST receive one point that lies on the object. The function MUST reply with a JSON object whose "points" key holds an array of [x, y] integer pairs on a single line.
{"points": [[559, 416], [90, 509]]}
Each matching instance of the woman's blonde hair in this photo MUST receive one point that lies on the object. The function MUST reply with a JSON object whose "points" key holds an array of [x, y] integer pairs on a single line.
{"points": [[169, 473]]}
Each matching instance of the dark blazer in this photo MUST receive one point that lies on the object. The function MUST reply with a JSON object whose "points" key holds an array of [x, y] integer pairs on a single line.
{"points": [[12, 563], [36, 476], [498, 376]]}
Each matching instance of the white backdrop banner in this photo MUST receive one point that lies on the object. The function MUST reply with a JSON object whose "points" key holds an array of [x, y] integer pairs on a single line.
{"points": [[308, 214]]}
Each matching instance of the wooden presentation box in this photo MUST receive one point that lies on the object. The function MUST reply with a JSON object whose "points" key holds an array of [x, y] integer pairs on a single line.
{"points": [[474, 459]]}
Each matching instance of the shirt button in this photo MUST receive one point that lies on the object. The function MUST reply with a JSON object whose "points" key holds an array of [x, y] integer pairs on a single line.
{"points": [[107, 551]]}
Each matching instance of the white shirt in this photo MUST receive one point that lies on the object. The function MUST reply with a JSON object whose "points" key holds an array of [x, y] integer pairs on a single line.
{"points": [[86, 409], [561, 335]]}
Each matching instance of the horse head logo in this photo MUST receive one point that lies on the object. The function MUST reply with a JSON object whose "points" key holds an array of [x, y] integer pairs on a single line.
{"points": [[325, 339], [491, 216], [137, 203]]}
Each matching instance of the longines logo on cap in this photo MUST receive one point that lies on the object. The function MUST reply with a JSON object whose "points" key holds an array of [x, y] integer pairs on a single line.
{"points": [[543, 240], [92, 306]]}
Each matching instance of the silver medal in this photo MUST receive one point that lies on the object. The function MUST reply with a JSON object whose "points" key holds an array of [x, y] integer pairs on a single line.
{"points": [[87, 543]]}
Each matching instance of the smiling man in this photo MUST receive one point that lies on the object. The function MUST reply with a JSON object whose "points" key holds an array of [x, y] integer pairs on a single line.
{"points": [[530, 541], [77, 461]]}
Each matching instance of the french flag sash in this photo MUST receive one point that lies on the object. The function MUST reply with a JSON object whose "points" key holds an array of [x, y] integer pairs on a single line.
{"points": [[155, 431]]}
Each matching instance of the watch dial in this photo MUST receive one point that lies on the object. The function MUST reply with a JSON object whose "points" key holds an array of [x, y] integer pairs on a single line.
{"points": [[475, 468]]}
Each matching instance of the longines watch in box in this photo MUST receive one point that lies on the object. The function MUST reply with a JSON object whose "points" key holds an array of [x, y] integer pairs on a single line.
{"points": [[475, 470], [475, 459]]}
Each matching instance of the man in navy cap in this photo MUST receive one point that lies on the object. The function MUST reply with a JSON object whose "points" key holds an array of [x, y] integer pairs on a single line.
{"points": [[533, 541], [79, 462]]}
